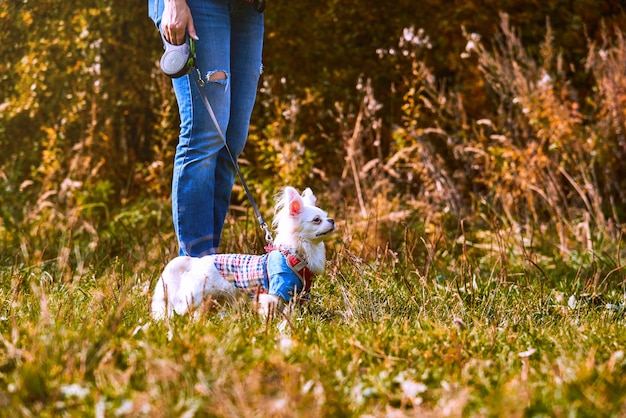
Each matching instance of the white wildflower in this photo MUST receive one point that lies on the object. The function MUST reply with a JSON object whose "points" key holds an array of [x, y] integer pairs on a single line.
{"points": [[74, 390], [527, 353]]}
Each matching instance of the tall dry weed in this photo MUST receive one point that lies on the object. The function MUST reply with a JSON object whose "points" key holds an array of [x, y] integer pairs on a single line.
{"points": [[537, 156], [541, 165]]}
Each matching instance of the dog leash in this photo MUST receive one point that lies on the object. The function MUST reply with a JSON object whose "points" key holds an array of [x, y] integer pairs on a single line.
{"points": [[200, 84]]}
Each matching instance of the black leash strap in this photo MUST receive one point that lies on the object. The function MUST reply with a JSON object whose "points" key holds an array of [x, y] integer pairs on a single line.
{"points": [[200, 83]]}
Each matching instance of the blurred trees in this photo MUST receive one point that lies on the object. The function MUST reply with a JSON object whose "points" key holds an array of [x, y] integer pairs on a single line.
{"points": [[88, 124], [81, 108]]}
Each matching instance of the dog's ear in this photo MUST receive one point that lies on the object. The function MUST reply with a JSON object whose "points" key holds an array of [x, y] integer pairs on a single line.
{"points": [[308, 197], [296, 204]]}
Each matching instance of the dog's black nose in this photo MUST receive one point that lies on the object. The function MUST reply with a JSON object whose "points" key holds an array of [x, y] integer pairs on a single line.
{"points": [[332, 221]]}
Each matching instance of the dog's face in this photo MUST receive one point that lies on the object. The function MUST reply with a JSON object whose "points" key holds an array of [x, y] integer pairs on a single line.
{"points": [[298, 215]]}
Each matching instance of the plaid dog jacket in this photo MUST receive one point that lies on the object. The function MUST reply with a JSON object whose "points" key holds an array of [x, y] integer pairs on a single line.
{"points": [[277, 272]]}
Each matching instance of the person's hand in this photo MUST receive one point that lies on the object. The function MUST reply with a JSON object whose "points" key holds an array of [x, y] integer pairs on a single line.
{"points": [[177, 21]]}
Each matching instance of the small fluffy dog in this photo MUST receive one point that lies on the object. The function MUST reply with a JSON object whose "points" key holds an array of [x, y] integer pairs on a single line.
{"points": [[278, 276]]}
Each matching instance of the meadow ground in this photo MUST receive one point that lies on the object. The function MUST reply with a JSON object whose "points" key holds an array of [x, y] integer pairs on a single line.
{"points": [[466, 334]]}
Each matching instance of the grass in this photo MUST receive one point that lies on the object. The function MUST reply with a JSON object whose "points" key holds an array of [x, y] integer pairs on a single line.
{"points": [[477, 336]]}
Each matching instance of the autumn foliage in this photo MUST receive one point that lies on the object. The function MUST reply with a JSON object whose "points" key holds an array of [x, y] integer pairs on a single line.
{"points": [[490, 114]]}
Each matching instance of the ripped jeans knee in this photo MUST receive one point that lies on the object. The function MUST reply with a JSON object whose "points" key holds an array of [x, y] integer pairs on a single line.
{"points": [[218, 76]]}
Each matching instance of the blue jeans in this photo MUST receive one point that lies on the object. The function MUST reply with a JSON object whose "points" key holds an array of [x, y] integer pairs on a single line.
{"points": [[231, 43]]}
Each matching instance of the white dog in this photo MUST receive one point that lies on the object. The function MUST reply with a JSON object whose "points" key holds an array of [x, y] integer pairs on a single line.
{"points": [[278, 276]]}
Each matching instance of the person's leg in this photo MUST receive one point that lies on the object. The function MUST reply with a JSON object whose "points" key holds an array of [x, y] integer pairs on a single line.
{"points": [[195, 162], [245, 59]]}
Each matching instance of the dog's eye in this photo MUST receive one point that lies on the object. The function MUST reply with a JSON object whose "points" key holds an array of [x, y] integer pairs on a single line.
{"points": [[317, 220]]}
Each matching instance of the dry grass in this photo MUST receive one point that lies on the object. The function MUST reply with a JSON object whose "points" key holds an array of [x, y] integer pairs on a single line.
{"points": [[477, 332]]}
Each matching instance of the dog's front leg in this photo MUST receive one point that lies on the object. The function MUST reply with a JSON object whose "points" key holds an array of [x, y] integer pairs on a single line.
{"points": [[268, 305]]}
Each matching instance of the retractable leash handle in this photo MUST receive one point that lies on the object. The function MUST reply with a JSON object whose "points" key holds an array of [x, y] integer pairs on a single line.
{"points": [[178, 60]]}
